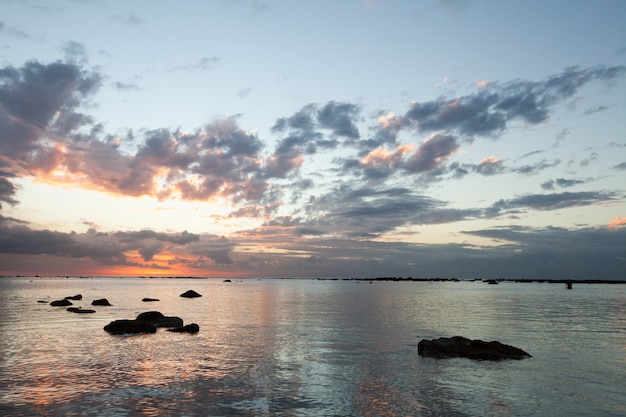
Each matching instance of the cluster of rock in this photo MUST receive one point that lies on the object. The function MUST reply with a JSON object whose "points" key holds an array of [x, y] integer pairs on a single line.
{"points": [[146, 322], [457, 346], [149, 321], [66, 302]]}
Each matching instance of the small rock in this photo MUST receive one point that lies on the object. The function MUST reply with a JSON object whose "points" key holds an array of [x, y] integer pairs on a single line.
{"points": [[148, 300], [80, 310], [190, 294], [190, 328], [101, 302], [76, 297], [61, 303]]}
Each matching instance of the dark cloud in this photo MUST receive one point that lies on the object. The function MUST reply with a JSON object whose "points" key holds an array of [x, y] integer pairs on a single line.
{"points": [[489, 111], [548, 202], [7, 189], [620, 167], [431, 153], [108, 248], [339, 118], [532, 169], [369, 212], [562, 183]]}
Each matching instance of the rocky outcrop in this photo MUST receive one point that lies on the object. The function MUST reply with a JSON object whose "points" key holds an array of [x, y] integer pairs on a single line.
{"points": [[149, 300], [157, 319], [80, 310], [101, 302], [61, 303], [190, 294], [190, 328], [130, 327], [457, 346]]}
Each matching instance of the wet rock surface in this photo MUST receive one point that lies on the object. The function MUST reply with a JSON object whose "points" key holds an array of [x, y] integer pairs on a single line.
{"points": [[457, 346]]}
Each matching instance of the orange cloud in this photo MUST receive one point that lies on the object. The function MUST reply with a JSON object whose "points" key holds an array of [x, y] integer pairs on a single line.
{"points": [[617, 222]]}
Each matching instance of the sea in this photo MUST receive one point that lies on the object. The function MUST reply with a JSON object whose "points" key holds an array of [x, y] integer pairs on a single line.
{"points": [[309, 347]]}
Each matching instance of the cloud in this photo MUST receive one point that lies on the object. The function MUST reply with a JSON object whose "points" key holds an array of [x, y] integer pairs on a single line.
{"points": [[561, 182], [549, 202], [620, 167], [489, 166], [431, 153], [206, 63], [595, 109], [12, 31], [617, 222], [490, 110], [115, 248], [532, 169]]}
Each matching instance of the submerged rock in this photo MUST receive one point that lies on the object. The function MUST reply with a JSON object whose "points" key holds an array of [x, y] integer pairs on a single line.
{"points": [[130, 327], [61, 303], [190, 328], [157, 319], [190, 294], [148, 300], [101, 302], [80, 310], [457, 346]]}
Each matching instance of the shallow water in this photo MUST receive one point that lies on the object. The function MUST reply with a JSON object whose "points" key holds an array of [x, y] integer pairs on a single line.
{"points": [[311, 348]]}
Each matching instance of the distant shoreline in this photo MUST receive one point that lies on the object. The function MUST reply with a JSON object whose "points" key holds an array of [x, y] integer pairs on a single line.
{"points": [[377, 279]]}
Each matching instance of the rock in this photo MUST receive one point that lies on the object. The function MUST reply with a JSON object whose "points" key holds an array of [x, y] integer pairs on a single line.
{"points": [[457, 346], [227, 280], [76, 297], [157, 319], [129, 327], [61, 303], [101, 302], [190, 328], [190, 294], [148, 300], [80, 310], [42, 301], [150, 316]]}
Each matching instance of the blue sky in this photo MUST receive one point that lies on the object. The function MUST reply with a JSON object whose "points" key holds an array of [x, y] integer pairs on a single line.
{"points": [[452, 138]]}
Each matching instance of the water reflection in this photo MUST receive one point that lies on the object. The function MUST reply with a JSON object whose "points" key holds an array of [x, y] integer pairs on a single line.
{"points": [[299, 348]]}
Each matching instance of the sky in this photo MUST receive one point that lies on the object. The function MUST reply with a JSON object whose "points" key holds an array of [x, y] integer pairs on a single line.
{"points": [[358, 138]]}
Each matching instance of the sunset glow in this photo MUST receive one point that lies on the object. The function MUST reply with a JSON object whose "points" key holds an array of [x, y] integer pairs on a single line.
{"points": [[371, 148]]}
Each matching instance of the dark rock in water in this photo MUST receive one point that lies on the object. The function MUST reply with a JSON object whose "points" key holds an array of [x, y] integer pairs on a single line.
{"points": [[150, 316], [147, 300], [190, 294], [42, 301], [101, 302], [61, 303], [457, 346], [129, 327], [227, 280], [157, 319], [80, 310], [76, 297], [190, 328]]}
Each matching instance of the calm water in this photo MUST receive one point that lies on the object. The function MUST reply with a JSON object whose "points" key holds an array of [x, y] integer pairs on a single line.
{"points": [[311, 348]]}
